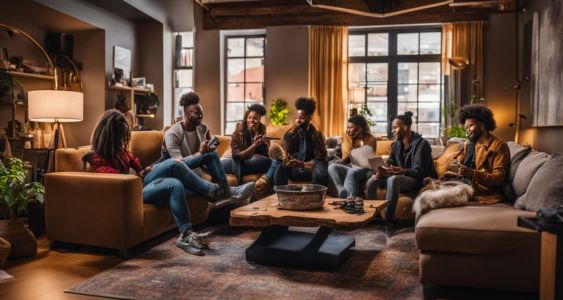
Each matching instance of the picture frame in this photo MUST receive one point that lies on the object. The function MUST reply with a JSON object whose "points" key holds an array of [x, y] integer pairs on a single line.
{"points": [[138, 82], [122, 60]]}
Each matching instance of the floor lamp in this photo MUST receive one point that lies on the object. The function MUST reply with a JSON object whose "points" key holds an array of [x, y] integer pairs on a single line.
{"points": [[55, 106]]}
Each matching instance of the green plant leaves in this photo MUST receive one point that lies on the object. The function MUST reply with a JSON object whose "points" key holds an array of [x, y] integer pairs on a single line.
{"points": [[15, 193], [278, 112]]}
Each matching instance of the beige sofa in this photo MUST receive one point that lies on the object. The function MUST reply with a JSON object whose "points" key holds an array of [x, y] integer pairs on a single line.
{"points": [[107, 210], [482, 246]]}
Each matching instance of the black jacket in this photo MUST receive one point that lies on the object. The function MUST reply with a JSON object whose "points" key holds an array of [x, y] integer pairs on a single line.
{"points": [[421, 164]]}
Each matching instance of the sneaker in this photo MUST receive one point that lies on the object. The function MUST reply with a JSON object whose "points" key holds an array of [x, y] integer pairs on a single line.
{"points": [[189, 244], [276, 152], [262, 184], [221, 192], [243, 192]]}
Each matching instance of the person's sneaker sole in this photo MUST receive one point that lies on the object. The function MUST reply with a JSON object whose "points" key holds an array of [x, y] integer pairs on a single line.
{"points": [[189, 249]]}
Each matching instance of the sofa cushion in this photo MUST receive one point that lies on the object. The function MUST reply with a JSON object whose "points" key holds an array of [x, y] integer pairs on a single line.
{"points": [[517, 154], [70, 159], [146, 145], [546, 187], [473, 229], [442, 163], [384, 147], [526, 170]]}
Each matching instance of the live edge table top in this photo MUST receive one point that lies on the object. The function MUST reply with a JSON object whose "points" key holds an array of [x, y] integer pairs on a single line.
{"points": [[266, 212]]}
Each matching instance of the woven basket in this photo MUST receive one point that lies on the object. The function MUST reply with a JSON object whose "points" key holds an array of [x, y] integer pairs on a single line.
{"points": [[5, 247], [301, 196], [23, 241]]}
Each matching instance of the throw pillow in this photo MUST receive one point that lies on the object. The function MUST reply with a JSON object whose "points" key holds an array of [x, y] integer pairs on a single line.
{"points": [[546, 187], [517, 154], [442, 163], [526, 170]]}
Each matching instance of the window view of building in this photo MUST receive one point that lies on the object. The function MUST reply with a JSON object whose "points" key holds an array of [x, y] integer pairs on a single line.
{"points": [[183, 70], [393, 71], [244, 76]]}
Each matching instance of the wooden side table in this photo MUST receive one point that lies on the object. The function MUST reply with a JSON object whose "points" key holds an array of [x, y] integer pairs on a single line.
{"points": [[551, 261]]}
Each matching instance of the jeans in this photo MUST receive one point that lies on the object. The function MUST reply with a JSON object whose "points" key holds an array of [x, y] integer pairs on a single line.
{"points": [[256, 165], [348, 180], [212, 163], [180, 171], [169, 191], [319, 174], [394, 184]]}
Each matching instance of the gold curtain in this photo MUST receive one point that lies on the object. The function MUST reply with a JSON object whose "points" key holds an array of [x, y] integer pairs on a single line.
{"points": [[328, 77], [463, 40]]}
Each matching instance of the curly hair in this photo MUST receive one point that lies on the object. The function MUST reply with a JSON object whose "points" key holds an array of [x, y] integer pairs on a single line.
{"points": [[478, 112], [360, 121], [111, 136], [189, 99], [257, 108], [406, 118], [306, 104]]}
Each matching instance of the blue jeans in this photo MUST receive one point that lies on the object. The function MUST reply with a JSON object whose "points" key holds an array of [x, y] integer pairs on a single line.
{"points": [[319, 174], [179, 170], [212, 163], [256, 165], [169, 191], [395, 185], [348, 180]]}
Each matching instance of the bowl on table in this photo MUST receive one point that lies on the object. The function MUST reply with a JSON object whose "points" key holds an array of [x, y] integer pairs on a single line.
{"points": [[301, 196]]}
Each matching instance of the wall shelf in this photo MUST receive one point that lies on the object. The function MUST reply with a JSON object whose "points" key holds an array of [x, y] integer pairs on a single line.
{"points": [[31, 75], [128, 89], [149, 116]]}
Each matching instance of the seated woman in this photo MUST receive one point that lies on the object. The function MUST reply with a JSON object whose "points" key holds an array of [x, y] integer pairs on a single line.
{"points": [[163, 183], [348, 179], [125, 108], [305, 148], [249, 148], [410, 161]]}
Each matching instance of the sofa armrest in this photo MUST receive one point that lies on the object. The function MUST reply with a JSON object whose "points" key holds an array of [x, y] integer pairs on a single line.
{"points": [[104, 210]]}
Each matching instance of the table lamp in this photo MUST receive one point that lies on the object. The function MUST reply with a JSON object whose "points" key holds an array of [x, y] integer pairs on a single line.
{"points": [[55, 106]]}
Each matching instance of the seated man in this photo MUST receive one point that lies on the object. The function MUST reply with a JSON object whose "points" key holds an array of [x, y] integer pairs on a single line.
{"points": [[410, 161], [305, 149], [347, 178], [485, 159], [188, 140]]}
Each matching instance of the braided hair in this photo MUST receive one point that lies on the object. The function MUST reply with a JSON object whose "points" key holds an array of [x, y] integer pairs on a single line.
{"points": [[111, 136]]}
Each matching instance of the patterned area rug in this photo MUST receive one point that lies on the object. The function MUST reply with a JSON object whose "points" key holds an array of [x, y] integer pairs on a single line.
{"points": [[380, 268]]}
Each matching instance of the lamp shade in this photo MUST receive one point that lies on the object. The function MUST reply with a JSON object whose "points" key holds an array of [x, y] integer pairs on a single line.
{"points": [[55, 106]]}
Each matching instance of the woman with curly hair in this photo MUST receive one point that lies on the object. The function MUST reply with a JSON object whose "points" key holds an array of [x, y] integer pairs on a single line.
{"points": [[305, 148], [249, 148], [485, 160]]}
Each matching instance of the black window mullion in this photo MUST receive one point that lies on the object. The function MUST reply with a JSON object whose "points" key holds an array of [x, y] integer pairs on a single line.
{"points": [[392, 81]]}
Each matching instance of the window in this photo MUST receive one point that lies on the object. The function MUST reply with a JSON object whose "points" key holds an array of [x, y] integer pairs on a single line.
{"points": [[393, 71], [183, 70], [244, 76]]}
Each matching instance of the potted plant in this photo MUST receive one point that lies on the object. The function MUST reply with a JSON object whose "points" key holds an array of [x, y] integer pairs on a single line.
{"points": [[278, 112], [15, 195], [146, 103], [366, 113]]}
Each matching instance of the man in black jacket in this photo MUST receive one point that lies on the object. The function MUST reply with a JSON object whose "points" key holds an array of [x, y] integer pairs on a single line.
{"points": [[409, 163]]}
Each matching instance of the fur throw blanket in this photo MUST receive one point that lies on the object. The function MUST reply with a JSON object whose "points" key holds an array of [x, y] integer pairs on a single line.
{"points": [[438, 194]]}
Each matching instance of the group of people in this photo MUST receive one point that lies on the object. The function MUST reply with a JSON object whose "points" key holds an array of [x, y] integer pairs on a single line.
{"points": [[302, 156]]}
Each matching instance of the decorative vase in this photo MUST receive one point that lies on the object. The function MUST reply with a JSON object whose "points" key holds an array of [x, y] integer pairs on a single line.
{"points": [[23, 241], [5, 247]]}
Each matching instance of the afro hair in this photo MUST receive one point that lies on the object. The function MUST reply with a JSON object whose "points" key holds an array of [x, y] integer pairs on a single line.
{"points": [[258, 108], [478, 112], [305, 104], [189, 99]]}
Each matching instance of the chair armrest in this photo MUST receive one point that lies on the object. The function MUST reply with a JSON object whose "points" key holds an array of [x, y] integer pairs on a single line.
{"points": [[95, 209]]}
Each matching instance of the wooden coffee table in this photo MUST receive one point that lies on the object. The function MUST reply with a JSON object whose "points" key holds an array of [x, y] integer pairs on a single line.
{"points": [[279, 246]]}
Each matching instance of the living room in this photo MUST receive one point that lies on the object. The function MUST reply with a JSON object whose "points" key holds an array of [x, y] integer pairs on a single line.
{"points": [[96, 235]]}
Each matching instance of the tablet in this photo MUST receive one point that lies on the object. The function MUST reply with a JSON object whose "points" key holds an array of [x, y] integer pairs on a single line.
{"points": [[376, 162]]}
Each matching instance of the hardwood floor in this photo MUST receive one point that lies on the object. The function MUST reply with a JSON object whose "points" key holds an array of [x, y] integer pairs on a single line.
{"points": [[47, 274]]}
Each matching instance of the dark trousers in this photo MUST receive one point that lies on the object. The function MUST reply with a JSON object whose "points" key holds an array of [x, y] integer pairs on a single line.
{"points": [[319, 174]]}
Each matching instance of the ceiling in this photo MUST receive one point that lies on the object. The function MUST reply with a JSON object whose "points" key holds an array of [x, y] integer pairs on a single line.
{"points": [[243, 14]]}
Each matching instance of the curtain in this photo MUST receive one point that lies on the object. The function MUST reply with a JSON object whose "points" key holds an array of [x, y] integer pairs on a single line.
{"points": [[328, 77], [463, 40]]}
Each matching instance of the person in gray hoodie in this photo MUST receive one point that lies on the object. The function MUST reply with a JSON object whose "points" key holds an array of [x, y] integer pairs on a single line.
{"points": [[188, 141], [410, 161]]}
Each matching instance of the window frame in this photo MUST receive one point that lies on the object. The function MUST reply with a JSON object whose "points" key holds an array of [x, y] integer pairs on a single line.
{"points": [[244, 82], [393, 59]]}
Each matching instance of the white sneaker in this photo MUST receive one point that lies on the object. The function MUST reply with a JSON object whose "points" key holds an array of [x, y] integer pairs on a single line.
{"points": [[243, 193]]}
